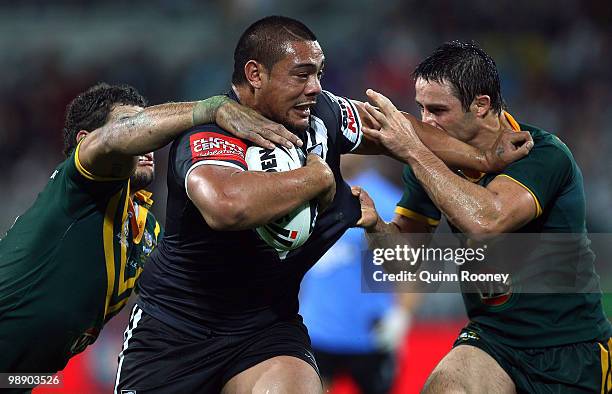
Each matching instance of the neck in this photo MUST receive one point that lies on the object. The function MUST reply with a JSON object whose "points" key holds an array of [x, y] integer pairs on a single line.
{"points": [[246, 95], [489, 130]]}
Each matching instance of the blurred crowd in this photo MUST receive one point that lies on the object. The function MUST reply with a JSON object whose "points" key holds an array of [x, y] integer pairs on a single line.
{"points": [[554, 60]]}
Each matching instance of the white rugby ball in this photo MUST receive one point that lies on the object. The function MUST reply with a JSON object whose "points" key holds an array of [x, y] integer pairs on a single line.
{"points": [[294, 229]]}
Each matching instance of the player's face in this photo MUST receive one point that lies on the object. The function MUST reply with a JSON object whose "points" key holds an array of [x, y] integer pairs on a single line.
{"points": [[290, 89], [442, 109], [145, 172], [145, 167]]}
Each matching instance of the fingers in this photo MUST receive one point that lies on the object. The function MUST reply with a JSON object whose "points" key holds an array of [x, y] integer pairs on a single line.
{"points": [[378, 116], [356, 190], [256, 139], [522, 143], [524, 149], [275, 134], [383, 103], [371, 134], [519, 137], [277, 130]]}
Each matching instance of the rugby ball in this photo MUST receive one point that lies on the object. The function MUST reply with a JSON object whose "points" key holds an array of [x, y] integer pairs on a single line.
{"points": [[294, 229]]}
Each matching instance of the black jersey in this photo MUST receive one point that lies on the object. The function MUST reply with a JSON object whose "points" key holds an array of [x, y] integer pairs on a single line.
{"points": [[232, 282]]}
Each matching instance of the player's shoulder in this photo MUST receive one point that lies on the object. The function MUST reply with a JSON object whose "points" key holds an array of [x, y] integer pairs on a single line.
{"points": [[212, 128], [331, 100], [340, 114], [548, 144], [210, 136]]}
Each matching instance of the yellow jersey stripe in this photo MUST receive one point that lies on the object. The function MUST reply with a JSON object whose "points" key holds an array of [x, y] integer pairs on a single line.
{"points": [[416, 216], [114, 308], [123, 285], [604, 367], [79, 166], [157, 229], [141, 221], [109, 250], [609, 373], [537, 202]]}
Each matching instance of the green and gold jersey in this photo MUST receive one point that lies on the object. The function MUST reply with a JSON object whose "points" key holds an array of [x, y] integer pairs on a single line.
{"points": [[70, 262], [520, 318]]}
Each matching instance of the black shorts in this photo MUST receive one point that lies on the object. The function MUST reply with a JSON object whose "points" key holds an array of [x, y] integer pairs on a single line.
{"points": [[582, 367], [372, 372], [157, 358]]}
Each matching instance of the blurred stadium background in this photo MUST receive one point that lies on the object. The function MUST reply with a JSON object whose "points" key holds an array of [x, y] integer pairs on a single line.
{"points": [[554, 57]]}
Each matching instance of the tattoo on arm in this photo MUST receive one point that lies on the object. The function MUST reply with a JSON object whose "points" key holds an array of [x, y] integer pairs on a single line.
{"points": [[499, 151], [205, 111]]}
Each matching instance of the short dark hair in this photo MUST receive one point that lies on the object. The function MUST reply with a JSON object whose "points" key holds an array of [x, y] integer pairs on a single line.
{"points": [[468, 68], [90, 109], [264, 41]]}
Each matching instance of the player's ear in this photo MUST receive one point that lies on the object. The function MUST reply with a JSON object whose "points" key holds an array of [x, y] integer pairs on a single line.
{"points": [[255, 73], [481, 105], [80, 135]]}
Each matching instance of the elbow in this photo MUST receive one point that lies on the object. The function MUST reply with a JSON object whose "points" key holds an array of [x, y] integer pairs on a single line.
{"points": [[228, 215], [484, 228], [483, 232]]}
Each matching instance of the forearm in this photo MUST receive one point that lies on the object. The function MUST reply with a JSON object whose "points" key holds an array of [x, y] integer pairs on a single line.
{"points": [[156, 126], [451, 151], [471, 208], [270, 196], [250, 199]]}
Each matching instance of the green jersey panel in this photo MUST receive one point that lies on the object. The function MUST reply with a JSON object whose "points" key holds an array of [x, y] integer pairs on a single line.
{"points": [[68, 264], [552, 176]]}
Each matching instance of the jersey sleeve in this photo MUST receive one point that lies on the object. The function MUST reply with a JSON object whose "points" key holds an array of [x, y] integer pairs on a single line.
{"points": [[207, 145], [347, 119], [415, 203], [543, 172]]}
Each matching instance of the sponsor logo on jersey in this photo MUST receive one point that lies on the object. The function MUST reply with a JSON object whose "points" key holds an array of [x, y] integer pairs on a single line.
{"points": [[350, 126], [267, 158], [215, 146]]}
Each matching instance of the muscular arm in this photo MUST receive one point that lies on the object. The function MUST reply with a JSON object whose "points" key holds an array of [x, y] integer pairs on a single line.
{"points": [[109, 151], [502, 206], [451, 151], [230, 200]]}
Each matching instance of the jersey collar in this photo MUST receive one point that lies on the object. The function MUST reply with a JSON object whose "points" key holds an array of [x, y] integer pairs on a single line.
{"points": [[513, 123]]}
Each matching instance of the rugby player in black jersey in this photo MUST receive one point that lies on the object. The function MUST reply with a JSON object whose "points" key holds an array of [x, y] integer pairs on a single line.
{"points": [[218, 307]]}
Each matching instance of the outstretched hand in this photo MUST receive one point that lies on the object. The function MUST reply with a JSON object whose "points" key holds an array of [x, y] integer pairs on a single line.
{"points": [[396, 133], [509, 147], [248, 124]]}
